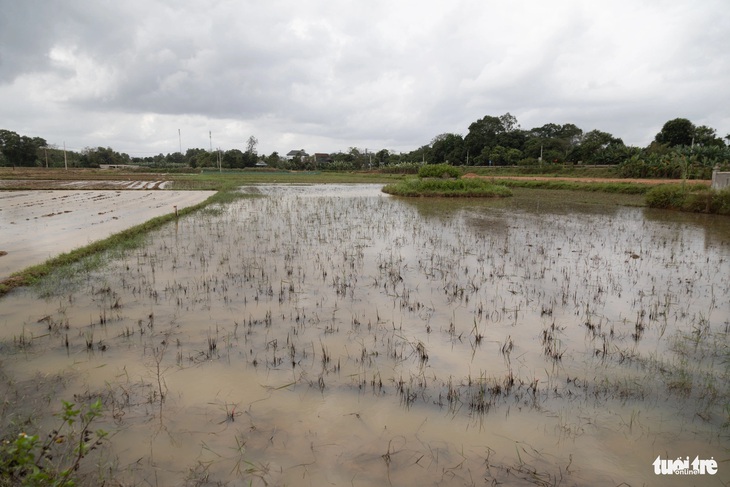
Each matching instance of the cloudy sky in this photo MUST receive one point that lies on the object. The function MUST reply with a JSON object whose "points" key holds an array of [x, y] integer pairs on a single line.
{"points": [[328, 75]]}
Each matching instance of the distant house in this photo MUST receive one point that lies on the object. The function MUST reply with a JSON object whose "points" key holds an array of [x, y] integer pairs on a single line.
{"points": [[296, 153], [321, 158]]}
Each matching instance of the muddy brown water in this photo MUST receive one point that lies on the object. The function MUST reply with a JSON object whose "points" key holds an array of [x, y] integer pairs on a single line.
{"points": [[330, 334]]}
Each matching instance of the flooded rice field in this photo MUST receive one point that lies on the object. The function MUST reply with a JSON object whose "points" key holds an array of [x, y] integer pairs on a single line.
{"points": [[333, 335]]}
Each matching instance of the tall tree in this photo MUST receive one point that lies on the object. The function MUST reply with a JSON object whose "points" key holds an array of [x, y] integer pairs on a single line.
{"points": [[20, 150], [554, 141], [447, 148], [597, 147], [233, 158], [251, 144], [679, 131], [382, 157], [484, 132], [707, 137]]}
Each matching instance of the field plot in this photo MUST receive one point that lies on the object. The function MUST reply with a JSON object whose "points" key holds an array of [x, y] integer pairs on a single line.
{"points": [[37, 225], [19, 184], [333, 335]]}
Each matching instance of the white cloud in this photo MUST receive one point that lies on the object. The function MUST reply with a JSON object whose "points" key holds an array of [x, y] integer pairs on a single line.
{"points": [[329, 75]]}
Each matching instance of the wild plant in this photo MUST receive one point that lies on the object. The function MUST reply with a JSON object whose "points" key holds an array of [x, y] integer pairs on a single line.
{"points": [[54, 461]]}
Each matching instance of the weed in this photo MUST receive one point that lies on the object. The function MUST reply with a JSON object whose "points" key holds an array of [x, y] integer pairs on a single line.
{"points": [[55, 459]]}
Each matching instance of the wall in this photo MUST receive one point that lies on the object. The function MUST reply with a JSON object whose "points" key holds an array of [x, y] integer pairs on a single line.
{"points": [[720, 180]]}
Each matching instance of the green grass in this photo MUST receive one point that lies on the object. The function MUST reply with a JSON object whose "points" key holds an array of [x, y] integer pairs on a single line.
{"points": [[227, 180], [556, 170], [439, 171], [612, 187], [689, 198], [463, 188]]}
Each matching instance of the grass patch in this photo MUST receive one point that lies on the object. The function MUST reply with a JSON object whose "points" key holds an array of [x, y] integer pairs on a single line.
{"points": [[612, 187], [439, 171], [557, 170], [462, 188], [690, 198], [227, 181]]}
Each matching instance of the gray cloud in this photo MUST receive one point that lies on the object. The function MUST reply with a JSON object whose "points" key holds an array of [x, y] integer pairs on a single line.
{"points": [[340, 74]]}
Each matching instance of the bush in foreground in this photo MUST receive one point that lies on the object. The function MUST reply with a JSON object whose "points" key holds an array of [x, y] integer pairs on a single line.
{"points": [[53, 460]]}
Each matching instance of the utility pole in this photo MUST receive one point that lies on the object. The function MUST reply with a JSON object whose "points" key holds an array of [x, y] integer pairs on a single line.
{"points": [[210, 136], [180, 139], [65, 161]]}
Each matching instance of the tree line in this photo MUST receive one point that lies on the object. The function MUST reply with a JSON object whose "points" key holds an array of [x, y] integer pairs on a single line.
{"points": [[679, 149]]}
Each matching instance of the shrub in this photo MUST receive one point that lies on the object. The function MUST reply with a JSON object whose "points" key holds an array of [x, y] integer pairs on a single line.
{"points": [[700, 202], [723, 201], [667, 196], [439, 171], [29, 461], [689, 198], [465, 188]]}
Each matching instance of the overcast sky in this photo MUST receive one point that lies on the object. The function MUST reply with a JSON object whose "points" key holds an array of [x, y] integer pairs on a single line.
{"points": [[325, 76]]}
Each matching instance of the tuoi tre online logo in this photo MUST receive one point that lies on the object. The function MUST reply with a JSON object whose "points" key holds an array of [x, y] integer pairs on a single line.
{"points": [[684, 466]]}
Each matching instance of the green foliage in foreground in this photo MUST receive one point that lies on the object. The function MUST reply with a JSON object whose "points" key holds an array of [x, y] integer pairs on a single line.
{"points": [[29, 461], [465, 188], [689, 198]]}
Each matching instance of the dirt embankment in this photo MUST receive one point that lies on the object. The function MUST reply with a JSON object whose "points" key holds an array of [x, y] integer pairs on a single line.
{"points": [[42, 184], [593, 180]]}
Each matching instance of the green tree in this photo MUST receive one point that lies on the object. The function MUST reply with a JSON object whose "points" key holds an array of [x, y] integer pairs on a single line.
{"points": [[554, 141], [196, 157], [447, 149], [484, 132], [420, 155], [93, 157], [233, 158], [382, 157], [175, 158], [19, 150], [596, 147], [679, 131], [707, 137], [273, 160]]}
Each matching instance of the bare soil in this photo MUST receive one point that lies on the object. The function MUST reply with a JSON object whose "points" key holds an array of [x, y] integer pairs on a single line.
{"points": [[39, 224]]}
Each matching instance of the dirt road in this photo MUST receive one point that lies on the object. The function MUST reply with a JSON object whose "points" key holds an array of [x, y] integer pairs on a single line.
{"points": [[594, 180]]}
